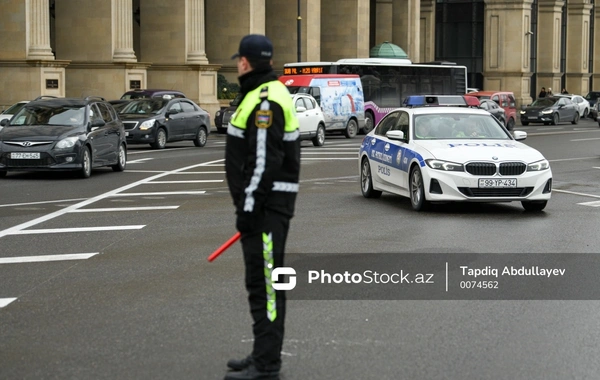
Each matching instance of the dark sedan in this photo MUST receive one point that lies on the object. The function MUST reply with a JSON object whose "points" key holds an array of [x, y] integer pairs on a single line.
{"points": [[550, 110], [493, 108], [156, 121], [63, 134]]}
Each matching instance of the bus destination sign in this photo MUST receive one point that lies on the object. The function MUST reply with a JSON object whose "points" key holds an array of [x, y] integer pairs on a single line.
{"points": [[306, 70]]}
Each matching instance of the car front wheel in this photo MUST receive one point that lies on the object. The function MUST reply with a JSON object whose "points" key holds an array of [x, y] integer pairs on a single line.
{"points": [[86, 163], [2, 173], [417, 190], [351, 129], [122, 160], [575, 118], [366, 181], [511, 124], [161, 139], [201, 137], [555, 119]]}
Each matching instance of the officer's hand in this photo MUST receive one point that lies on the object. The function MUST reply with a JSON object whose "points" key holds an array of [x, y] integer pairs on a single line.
{"points": [[246, 221]]}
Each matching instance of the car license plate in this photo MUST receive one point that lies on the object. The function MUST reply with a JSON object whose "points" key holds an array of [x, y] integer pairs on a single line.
{"points": [[496, 182], [24, 156]]}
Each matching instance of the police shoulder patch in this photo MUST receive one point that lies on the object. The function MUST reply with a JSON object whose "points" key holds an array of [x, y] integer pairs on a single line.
{"points": [[264, 118]]}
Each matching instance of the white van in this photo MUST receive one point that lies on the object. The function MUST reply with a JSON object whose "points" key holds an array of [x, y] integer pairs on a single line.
{"points": [[340, 97]]}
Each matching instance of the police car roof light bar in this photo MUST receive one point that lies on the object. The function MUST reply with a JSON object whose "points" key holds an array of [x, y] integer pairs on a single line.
{"points": [[435, 101]]}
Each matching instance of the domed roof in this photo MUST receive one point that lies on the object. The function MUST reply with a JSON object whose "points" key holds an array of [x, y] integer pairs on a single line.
{"points": [[387, 50]]}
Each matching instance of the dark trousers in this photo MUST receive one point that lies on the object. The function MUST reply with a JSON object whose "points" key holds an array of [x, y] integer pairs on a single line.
{"points": [[264, 246]]}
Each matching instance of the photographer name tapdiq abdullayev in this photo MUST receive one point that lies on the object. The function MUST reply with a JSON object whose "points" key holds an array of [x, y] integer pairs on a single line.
{"points": [[512, 271]]}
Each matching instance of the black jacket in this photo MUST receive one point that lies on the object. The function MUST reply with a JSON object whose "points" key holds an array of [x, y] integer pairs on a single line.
{"points": [[281, 164]]}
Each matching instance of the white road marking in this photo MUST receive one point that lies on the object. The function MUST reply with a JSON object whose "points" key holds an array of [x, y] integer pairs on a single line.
{"points": [[129, 152], [592, 138], [575, 193], [190, 181], [43, 258], [592, 204], [139, 161], [77, 229], [42, 202], [5, 301], [163, 171], [158, 193], [45, 218], [111, 209], [573, 159]]}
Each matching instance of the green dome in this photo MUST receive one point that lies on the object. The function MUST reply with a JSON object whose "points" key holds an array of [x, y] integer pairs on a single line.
{"points": [[387, 50]]}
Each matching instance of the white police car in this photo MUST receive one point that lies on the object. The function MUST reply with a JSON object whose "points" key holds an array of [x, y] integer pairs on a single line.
{"points": [[430, 153]]}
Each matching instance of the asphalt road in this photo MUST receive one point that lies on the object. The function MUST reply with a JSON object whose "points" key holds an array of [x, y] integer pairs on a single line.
{"points": [[138, 300]]}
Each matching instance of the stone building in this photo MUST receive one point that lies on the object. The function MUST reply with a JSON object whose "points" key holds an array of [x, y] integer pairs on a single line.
{"points": [[105, 47]]}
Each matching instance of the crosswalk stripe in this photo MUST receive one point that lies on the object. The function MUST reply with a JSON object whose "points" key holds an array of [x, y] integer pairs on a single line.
{"points": [[43, 258], [5, 301]]}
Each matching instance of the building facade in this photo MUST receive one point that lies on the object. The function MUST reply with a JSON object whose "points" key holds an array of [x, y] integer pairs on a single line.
{"points": [[78, 48]]}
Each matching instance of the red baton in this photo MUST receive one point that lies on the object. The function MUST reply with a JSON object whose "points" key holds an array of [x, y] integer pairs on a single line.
{"points": [[224, 247]]}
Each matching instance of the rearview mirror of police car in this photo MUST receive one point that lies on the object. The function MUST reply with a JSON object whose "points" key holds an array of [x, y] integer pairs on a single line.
{"points": [[395, 135], [519, 135]]}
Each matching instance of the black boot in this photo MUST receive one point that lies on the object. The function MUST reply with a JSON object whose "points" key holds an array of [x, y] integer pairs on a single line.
{"points": [[240, 364], [251, 373]]}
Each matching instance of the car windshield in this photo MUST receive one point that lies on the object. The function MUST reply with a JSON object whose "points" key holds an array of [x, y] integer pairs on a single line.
{"points": [[49, 115], [458, 126], [592, 95], [151, 106], [14, 109], [543, 102]]}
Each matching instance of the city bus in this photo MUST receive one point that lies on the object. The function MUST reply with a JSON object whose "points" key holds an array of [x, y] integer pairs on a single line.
{"points": [[387, 82]]}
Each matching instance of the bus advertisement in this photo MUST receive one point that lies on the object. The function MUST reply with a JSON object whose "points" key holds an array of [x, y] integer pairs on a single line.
{"points": [[387, 82]]}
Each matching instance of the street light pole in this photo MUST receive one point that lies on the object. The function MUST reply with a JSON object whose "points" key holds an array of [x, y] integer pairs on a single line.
{"points": [[299, 34]]}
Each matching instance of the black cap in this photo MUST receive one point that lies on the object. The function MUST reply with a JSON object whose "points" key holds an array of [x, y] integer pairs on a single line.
{"points": [[255, 46]]}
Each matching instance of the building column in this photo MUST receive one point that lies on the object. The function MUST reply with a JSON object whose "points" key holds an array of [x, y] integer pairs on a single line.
{"points": [[195, 32], [38, 30], [383, 25], [578, 47], [406, 29], [506, 25], [427, 32], [347, 29], [596, 42], [122, 16], [548, 44]]}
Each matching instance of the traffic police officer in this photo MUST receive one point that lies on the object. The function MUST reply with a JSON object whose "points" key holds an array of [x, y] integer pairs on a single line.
{"points": [[262, 162]]}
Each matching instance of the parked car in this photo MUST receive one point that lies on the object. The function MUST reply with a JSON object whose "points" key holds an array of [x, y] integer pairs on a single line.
{"points": [[550, 110], [156, 121], [493, 108], [226, 114], [310, 119], [592, 97], [63, 134], [451, 154], [583, 106], [120, 103], [504, 99]]}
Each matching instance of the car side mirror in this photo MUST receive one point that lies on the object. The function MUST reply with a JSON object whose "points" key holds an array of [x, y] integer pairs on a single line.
{"points": [[519, 135], [98, 123], [300, 109], [4, 122], [395, 135]]}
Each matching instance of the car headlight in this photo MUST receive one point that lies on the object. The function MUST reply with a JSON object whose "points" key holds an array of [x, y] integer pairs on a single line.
{"points": [[217, 114], [522, 112], [538, 165], [146, 125], [547, 111], [445, 165], [69, 142]]}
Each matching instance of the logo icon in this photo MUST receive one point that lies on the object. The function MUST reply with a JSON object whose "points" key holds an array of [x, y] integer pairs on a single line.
{"points": [[26, 143], [283, 285]]}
